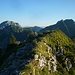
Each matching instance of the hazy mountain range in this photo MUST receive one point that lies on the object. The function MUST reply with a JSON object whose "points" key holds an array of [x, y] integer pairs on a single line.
{"points": [[35, 28]]}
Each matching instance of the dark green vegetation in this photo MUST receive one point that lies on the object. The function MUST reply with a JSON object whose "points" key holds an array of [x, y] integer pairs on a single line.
{"points": [[9, 28], [67, 26]]}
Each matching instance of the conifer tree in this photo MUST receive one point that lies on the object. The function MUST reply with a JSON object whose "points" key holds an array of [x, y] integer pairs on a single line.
{"points": [[12, 40]]}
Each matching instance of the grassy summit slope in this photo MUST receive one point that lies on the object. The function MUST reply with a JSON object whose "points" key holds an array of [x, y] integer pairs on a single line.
{"points": [[41, 43]]}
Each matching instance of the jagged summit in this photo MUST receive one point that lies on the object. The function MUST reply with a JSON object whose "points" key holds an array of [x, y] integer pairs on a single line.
{"points": [[67, 21], [8, 23], [67, 26]]}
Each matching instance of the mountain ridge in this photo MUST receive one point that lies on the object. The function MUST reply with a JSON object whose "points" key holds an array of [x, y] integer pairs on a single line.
{"points": [[43, 48], [67, 26]]}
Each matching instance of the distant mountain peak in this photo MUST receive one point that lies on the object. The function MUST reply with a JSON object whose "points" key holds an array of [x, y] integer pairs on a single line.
{"points": [[67, 26], [67, 19], [8, 23], [70, 21], [36, 28]]}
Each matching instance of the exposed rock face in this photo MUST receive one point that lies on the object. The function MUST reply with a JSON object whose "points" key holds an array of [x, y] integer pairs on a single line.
{"points": [[36, 57], [7, 23], [42, 62], [68, 64], [53, 64], [49, 48], [60, 51]]}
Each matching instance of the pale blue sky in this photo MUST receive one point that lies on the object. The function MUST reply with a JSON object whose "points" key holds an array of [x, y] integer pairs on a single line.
{"points": [[36, 12]]}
